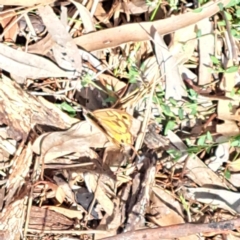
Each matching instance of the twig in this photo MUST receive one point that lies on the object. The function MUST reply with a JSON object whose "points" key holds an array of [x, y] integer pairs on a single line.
{"points": [[78, 232], [179, 230]]}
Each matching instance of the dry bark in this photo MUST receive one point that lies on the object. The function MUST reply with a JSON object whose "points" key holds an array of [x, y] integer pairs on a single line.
{"points": [[20, 111]]}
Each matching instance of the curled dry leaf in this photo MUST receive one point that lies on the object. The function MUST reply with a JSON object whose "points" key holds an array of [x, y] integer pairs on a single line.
{"points": [[81, 135]]}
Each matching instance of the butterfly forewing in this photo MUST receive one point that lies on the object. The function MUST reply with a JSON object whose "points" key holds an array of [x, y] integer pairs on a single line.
{"points": [[115, 123]]}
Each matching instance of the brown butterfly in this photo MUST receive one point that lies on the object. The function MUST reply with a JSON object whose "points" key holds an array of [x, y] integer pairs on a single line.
{"points": [[116, 124]]}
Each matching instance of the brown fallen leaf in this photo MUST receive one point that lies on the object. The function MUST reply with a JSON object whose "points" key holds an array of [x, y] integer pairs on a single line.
{"points": [[136, 32], [29, 65], [164, 214], [80, 136], [10, 26]]}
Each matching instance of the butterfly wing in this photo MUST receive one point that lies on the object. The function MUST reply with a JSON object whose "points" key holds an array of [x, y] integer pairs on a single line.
{"points": [[116, 124]]}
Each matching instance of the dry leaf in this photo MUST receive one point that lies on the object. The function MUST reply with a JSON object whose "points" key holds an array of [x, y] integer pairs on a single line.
{"points": [[28, 65], [183, 44], [194, 164], [10, 35], [85, 16], [77, 138], [164, 214], [141, 31], [100, 194]]}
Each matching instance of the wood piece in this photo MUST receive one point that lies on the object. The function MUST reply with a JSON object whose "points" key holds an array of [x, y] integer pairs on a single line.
{"points": [[21, 111]]}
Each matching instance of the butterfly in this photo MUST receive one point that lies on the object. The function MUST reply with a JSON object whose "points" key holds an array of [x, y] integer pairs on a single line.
{"points": [[114, 123]]}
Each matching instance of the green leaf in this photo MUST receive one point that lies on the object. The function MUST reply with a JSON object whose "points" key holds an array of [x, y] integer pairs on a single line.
{"points": [[208, 150], [227, 174], [166, 110], [64, 106], [193, 149], [230, 106], [170, 126], [110, 99], [175, 153], [221, 23], [232, 69], [220, 5], [197, 10], [180, 113], [232, 94], [228, 16], [194, 109], [237, 14], [235, 143], [234, 32], [214, 59], [209, 136], [201, 140], [232, 3], [199, 33], [188, 142], [173, 101]]}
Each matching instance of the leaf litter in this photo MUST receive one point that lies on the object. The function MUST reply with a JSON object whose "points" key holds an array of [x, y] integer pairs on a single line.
{"points": [[161, 158]]}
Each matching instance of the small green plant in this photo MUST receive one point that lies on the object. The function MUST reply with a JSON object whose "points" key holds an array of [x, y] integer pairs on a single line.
{"points": [[217, 68], [66, 107]]}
